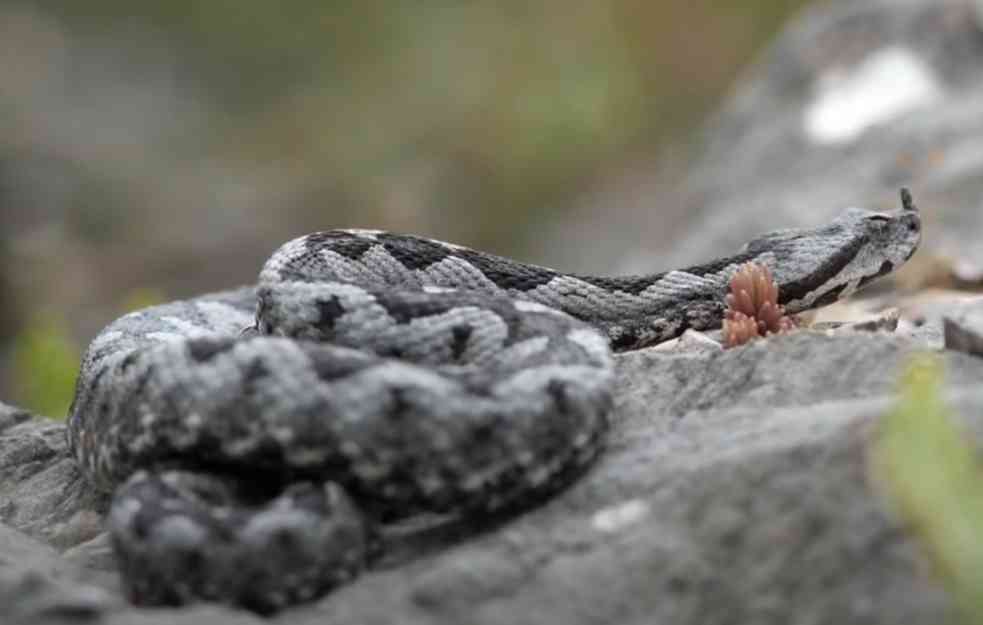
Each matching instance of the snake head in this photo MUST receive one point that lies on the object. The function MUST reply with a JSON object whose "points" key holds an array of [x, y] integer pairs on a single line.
{"points": [[815, 267], [894, 236]]}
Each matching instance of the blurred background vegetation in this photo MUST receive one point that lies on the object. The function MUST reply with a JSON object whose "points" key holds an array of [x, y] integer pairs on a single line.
{"points": [[923, 462], [154, 150]]}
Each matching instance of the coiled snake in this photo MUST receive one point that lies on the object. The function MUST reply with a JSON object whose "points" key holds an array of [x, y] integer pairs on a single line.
{"points": [[385, 375]]}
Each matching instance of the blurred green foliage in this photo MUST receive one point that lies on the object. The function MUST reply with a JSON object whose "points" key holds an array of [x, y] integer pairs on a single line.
{"points": [[930, 471], [46, 361], [495, 113]]}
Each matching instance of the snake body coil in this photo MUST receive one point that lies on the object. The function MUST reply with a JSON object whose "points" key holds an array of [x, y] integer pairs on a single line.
{"points": [[385, 375]]}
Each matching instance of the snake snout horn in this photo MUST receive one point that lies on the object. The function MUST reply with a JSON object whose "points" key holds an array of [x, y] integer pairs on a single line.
{"points": [[907, 202]]}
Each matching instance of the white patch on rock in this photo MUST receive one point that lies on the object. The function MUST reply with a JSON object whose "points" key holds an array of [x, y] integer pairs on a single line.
{"points": [[886, 85], [694, 341], [616, 518]]}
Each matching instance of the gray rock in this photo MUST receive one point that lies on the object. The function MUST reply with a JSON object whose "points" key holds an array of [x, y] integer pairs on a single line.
{"points": [[854, 100], [733, 490], [37, 586], [963, 328], [882, 321], [41, 492]]}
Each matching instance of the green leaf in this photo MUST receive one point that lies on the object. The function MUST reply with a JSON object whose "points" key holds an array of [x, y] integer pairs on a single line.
{"points": [[927, 468]]}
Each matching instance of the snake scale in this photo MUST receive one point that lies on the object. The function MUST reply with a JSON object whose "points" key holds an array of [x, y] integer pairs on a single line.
{"points": [[382, 376]]}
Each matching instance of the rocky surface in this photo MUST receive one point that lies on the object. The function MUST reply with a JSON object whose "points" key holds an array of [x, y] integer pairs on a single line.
{"points": [[735, 487], [734, 490], [963, 328], [854, 100]]}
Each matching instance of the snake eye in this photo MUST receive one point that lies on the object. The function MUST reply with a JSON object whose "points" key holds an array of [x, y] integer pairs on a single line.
{"points": [[881, 219]]}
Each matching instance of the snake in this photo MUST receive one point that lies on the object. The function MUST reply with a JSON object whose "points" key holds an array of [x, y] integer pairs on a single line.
{"points": [[252, 441]]}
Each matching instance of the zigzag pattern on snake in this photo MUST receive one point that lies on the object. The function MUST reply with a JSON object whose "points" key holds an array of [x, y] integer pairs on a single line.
{"points": [[385, 375]]}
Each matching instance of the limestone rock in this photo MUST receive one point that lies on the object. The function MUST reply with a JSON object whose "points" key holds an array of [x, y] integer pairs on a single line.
{"points": [[964, 328], [853, 101], [733, 490]]}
